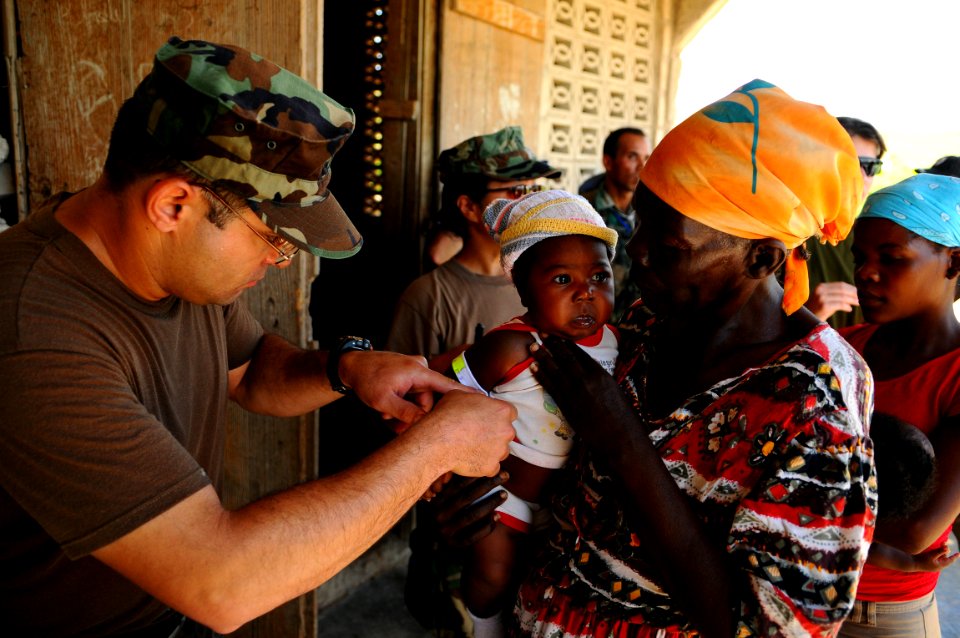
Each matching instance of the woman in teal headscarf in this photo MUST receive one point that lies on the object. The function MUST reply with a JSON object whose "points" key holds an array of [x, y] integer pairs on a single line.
{"points": [[907, 255]]}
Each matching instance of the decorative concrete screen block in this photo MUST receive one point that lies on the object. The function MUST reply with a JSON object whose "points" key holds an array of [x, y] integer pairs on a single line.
{"points": [[599, 61], [562, 54]]}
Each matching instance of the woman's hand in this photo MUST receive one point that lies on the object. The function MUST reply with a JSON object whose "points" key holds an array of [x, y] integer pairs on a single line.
{"points": [[589, 398], [461, 512], [935, 560], [693, 565], [830, 297]]}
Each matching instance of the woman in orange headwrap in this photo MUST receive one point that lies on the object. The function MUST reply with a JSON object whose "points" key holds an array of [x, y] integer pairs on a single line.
{"points": [[726, 487]]}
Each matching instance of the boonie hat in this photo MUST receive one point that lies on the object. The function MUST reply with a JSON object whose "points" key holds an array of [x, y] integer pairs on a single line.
{"points": [[257, 130], [501, 156], [519, 224], [946, 165]]}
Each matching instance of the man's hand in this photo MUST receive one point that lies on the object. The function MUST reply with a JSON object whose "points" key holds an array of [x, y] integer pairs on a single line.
{"points": [[830, 297], [396, 385], [471, 430]]}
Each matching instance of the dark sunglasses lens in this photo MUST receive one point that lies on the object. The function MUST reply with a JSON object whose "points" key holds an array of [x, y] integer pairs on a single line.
{"points": [[871, 167]]}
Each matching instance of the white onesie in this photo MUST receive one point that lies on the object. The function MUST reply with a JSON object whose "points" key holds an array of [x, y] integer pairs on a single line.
{"points": [[543, 437]]}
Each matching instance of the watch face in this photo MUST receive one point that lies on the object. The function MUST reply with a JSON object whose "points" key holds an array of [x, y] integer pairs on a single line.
{"points": [[353, 343]]}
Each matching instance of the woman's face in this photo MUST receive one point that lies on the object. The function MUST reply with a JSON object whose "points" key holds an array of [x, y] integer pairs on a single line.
{"points": [[898, 273], [569, 286], [681, 264]]}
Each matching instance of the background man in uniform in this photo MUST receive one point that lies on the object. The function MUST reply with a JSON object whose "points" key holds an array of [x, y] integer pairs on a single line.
{"points": [[625, 151]]}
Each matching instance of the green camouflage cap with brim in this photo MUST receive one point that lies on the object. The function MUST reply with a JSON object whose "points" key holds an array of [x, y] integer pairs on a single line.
{"points": [[501, 156], [257, 130]]}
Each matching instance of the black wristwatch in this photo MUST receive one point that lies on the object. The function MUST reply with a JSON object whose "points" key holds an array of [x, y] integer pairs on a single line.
{"points": [[341, 345]]}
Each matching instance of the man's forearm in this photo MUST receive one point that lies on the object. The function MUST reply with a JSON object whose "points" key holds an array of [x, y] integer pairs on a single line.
{"points": [[694, 566], [283, 380], [224, 568]]}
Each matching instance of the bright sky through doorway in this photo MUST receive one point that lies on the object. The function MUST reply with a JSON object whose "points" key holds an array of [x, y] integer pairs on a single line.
{"points": [[889, 62]]}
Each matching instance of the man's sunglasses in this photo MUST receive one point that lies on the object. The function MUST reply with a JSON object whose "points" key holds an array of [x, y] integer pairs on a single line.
{"points": [[515, 192], [870, 166]]}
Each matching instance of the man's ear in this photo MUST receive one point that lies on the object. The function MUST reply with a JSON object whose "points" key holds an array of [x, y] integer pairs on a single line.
{"points": [[607, 163], [168, 199], [954, 260], [765, 257], [470, 209]]}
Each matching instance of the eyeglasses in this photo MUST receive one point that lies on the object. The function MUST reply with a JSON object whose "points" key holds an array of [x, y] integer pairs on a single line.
{"points": [[285, 249], [517, 191], [870, 166]]}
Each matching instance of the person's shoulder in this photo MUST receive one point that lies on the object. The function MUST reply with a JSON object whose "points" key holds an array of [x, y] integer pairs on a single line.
{"points": [[425, 287], [840, 386], [50, 281], [832, 347], [588, 189], [497, 353], [856, 331]]}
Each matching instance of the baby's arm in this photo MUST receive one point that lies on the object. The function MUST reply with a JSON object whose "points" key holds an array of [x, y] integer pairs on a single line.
{"points": [[933, 560]]}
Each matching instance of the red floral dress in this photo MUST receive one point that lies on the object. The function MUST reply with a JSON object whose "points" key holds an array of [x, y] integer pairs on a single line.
{"points": [[777, 465]]}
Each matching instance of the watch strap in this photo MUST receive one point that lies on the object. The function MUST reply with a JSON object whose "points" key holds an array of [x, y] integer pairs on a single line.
{"points": [[347, 343]]}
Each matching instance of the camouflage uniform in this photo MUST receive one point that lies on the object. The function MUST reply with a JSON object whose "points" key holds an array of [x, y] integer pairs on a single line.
{"points": [[624, 222]]}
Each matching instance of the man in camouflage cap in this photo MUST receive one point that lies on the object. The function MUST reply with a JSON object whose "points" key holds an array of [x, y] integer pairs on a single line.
{"points": [[444, 310], [123, 335], [256, 130], [499, 156]]}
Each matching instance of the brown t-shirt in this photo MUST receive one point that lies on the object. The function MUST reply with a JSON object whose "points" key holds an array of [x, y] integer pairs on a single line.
{"points": [[441, 309], [112, 410]]}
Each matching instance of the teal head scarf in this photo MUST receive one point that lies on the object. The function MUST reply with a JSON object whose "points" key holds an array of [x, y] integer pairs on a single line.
{"points": [[926, 204]]}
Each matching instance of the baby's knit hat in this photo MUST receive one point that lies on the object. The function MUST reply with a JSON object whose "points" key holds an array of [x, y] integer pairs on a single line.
{"points": [[520, 223]]}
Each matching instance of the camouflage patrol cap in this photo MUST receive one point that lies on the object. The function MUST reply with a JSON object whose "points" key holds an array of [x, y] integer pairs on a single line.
{"points": [[256, 130], [501, 156]]}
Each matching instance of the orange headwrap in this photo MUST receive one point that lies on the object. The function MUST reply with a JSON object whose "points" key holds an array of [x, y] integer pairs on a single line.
{"points": [[760, 164]]}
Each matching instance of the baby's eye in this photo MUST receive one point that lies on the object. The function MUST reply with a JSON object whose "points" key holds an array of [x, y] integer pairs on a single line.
{"points": [[562, 279], [601, 276]]}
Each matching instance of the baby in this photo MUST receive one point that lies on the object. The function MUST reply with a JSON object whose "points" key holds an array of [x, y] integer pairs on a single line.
{"points": [[557, 250]]}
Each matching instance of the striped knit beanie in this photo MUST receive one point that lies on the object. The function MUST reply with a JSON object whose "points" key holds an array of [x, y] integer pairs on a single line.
{"points": [[518, 224]]}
